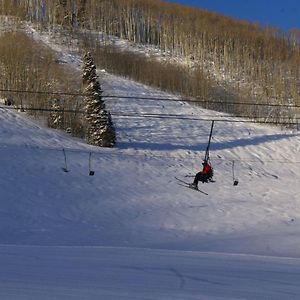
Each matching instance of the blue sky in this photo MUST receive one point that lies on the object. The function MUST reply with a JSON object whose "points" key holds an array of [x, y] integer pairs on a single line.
{"points": [[283, 14]]}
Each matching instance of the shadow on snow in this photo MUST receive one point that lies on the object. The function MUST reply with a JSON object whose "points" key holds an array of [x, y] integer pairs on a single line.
{"points": [[202, 146]]}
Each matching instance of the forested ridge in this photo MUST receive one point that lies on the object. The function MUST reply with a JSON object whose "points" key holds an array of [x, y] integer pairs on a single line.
{"points": [[250, 62]]}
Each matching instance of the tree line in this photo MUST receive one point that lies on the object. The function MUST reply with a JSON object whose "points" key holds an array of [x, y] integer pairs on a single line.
{"points": [[27, 65], [250, 62]]}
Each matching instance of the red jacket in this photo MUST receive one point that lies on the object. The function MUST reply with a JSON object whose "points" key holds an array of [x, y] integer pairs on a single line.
{"points": [[206, 168]]}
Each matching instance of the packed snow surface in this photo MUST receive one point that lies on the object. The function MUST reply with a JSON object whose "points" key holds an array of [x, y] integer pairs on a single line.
{"points": [[131, 231]]}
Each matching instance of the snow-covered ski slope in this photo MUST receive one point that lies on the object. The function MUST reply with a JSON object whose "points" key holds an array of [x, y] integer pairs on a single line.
{"points": [[130, 231]]}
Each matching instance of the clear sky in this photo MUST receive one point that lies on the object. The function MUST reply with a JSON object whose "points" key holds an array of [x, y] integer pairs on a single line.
{"points": [[283, 14]]}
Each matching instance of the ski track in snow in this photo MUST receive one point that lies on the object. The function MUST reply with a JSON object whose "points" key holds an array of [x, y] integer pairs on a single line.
{"points": [[133, 201]]}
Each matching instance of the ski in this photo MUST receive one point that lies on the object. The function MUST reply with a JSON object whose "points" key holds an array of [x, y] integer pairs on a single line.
{"points": [[182, 180], [191, 188], [187, 185]]}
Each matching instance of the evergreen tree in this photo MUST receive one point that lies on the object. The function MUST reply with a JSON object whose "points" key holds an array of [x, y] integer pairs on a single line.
{"points": [[56, 118], [98, 123]]}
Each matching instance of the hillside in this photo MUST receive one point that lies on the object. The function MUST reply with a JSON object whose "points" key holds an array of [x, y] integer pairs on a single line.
{"points": [[227, 59], [133, 201], [134, 187], [131, 231]]}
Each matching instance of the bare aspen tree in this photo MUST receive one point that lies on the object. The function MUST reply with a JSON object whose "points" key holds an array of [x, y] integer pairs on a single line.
{"points": [[252, 58]]}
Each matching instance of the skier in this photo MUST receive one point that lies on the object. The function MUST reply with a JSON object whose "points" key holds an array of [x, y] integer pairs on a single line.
{"points": [[205, 175]]}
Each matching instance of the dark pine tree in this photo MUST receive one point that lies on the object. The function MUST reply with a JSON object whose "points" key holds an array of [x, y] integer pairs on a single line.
{"points": [[98, 123]]}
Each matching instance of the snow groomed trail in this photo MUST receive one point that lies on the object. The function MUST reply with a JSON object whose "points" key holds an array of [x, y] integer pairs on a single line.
{"points": [[34, 273]]}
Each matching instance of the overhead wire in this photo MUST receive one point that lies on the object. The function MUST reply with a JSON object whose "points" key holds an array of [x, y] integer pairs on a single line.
{"points": [[161, 156], [208, 118], [252, 120], [137, 97], [153, 155]]}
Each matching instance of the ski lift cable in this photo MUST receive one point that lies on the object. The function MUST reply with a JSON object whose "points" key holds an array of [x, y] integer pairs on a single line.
{"points": [[151, 115], [110, 97], [110, 153], [228, 119]]}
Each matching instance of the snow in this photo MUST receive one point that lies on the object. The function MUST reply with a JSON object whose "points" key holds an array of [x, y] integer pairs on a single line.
{"points": [[143, 274], [130, 231]]}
